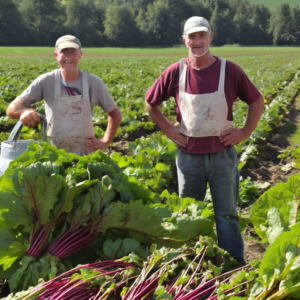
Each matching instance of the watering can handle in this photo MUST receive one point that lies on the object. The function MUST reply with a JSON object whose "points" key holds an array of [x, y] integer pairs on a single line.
{"points": [[18, 127]]}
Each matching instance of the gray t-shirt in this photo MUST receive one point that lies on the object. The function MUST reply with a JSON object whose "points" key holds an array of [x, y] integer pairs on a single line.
{"points": [[44, 87]]}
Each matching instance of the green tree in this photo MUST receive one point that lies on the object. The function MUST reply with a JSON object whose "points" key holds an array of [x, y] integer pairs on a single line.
{"points": [[281, 26], [244, 29], [260, 23], [295, 26], [138, 4], [224, 29], [223, 5], [241, 7], [82, 21], [12, 31], [100, 9], [120, 25], [43, 20], [157, 25], [180, 11], [241, 12], [197, 8]]}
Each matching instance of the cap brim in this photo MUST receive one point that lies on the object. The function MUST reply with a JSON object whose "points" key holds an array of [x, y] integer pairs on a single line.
{"points": [[197, 29], [65, 45]]}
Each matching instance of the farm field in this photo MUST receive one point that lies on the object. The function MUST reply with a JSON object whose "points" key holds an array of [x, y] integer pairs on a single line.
{"points": [[268, 157], [42, 52]]}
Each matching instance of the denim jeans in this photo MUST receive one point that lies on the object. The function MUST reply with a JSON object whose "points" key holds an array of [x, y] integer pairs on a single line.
{"points": [[221, 172]]}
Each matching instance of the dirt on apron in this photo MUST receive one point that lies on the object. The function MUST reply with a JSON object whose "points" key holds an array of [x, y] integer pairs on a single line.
{"points": [[206, 114], [71, 120]]}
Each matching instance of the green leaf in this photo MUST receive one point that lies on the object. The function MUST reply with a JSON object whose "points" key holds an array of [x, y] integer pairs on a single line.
{"points": [[13, 211], [101, 196], [281, 259], [156, 223], [276, 210], [243, 222], [41, 194], [98, 170], [122, 247], [161, 292]]}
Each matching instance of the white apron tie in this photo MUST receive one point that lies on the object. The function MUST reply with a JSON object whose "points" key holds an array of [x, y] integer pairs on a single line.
{"points": [[71, 120], [203, 115]]}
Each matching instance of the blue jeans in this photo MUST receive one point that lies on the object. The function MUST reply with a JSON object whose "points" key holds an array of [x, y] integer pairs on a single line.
{"points": [[220, 170]]}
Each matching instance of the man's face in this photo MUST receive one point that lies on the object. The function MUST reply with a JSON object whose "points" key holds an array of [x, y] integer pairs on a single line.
{"points": [[68, 59], [198, 42]]}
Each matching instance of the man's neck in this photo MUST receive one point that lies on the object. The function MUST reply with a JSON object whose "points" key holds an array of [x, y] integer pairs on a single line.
{"points": [[70, 77], [201, 62]]}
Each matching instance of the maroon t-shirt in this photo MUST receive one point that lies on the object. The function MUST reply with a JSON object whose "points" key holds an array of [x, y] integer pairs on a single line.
{"points": [[204, 81]]}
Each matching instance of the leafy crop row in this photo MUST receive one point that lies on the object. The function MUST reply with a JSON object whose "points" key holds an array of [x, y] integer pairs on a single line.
{"points": [[54, 204]]}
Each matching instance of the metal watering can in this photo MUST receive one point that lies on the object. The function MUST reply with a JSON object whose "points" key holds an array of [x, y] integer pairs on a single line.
{"points": [[12, 148]]}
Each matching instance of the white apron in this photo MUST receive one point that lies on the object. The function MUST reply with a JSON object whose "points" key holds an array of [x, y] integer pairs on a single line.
{"points": [[206, 114], [71, 120]]}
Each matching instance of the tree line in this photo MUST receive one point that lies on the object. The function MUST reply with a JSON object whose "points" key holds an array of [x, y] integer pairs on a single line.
{"points": [[142, 23]]}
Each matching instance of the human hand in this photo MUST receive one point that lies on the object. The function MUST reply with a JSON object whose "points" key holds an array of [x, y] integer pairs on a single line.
{"points": [[233, 136], [174, 134], [30, 118], [93, 143]]}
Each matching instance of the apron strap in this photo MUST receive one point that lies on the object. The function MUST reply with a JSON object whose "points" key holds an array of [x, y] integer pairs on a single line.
{"points": [[182, 75], [222, 76], [182, 79], [85, 86], [57, 91]]}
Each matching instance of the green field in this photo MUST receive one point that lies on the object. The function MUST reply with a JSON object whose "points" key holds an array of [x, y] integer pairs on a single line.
{"points": [[43, 52], [272, 4], [129, 72], [139, 208]]}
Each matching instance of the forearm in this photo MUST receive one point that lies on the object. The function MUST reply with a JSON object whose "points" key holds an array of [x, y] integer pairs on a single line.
{"points": [[171, 131], [254, 113], [114, 120], [157, 117], [233, 136], [16, 108]]}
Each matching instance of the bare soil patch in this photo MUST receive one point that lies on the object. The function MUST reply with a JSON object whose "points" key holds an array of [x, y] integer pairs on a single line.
{"points": [[267, 166], [254, 250]]}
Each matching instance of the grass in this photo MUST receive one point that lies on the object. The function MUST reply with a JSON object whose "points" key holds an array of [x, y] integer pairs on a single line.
{"points": [[272, 4], [43, 52]]}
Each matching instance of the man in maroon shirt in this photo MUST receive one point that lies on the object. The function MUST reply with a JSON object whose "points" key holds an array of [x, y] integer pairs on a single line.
{"points": [[205, 87]]}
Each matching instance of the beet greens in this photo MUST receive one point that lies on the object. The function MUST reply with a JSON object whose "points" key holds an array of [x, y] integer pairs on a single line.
{"points": [[178, 274]]}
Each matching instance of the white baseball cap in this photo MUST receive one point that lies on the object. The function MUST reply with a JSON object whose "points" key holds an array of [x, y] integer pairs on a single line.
{"points": [[196, 24], [67, 41]]}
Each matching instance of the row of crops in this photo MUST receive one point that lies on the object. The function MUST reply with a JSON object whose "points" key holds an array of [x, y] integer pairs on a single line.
{"points": [[112, 229]]}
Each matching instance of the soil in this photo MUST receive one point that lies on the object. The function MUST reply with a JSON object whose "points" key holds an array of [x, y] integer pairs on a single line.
{"points": [[267, 168]]}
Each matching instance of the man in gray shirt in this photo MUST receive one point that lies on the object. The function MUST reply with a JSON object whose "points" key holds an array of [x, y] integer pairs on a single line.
{"points": [[69, 96]]}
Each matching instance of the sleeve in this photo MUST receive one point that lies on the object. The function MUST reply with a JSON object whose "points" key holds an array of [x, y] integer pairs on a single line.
{"points": [[246, 90], [100, 95], [34, 93], [163, 88]]}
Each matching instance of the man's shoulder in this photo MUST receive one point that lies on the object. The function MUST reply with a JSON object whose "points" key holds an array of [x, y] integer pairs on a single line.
{"points": [[47, 76], [173, 67], [233, 67], [93, 78], [171, 72]]}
